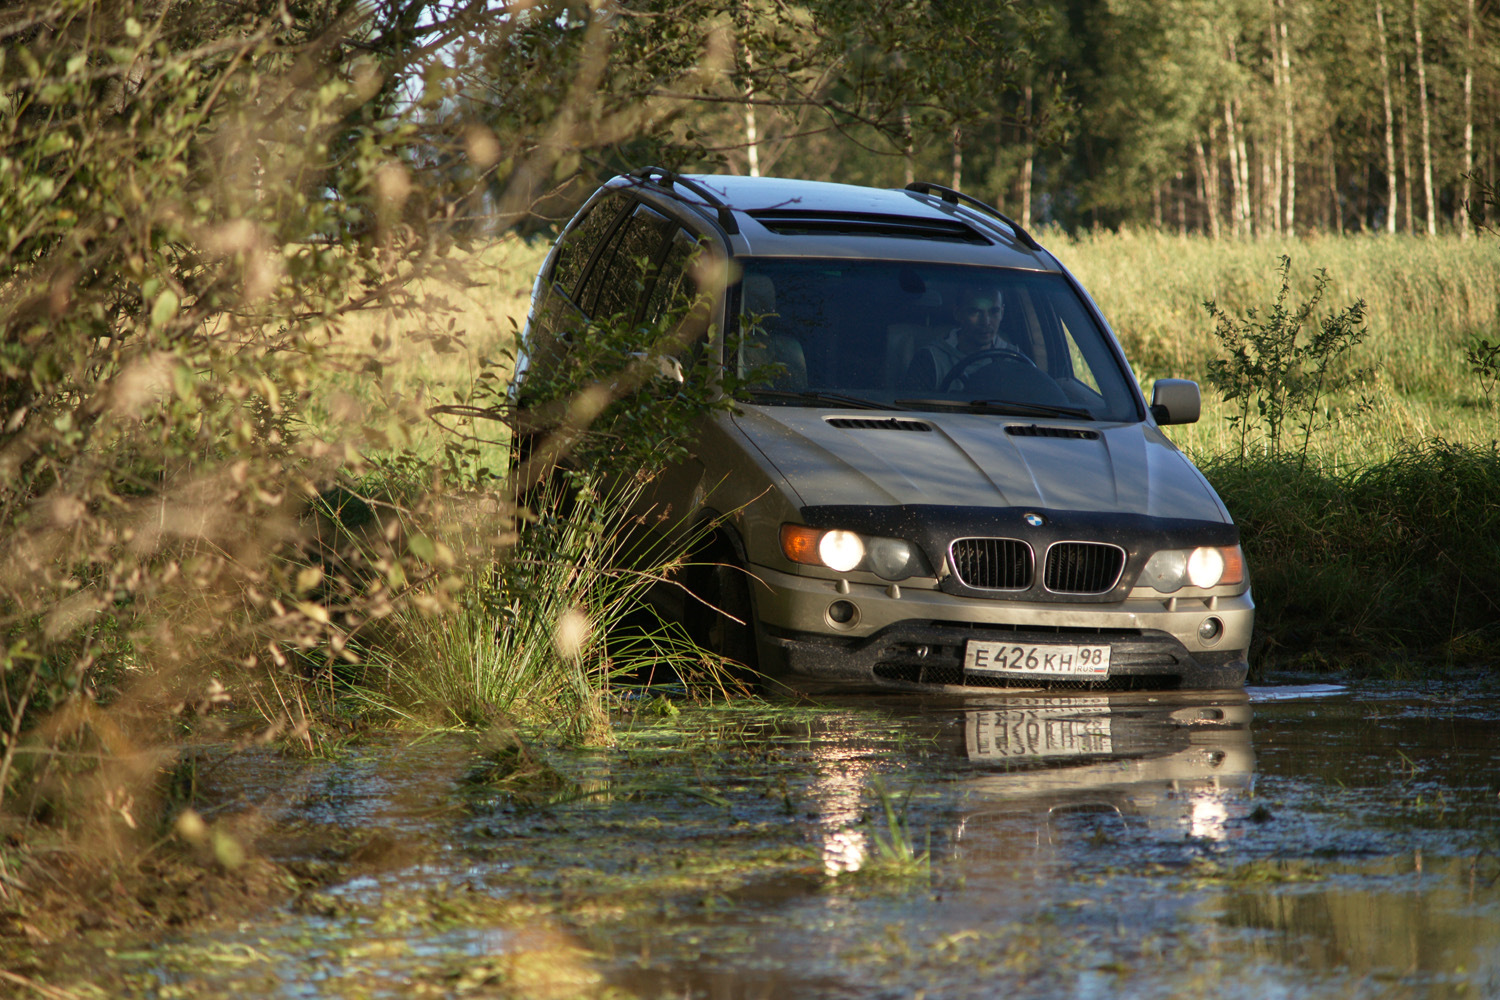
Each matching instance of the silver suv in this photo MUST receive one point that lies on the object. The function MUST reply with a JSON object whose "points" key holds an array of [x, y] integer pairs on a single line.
{"points": [[939, 472]]}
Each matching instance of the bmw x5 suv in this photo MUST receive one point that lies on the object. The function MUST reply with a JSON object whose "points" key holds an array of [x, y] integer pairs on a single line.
{"points": [[939, 470]]}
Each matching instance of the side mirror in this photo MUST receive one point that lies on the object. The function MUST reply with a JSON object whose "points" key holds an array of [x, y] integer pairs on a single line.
{"points": [[1175, 401]]}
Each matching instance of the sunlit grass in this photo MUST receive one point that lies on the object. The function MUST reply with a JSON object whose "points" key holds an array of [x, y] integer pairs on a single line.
{"points": [[1426, 297], [545, 629], [389, 367]]}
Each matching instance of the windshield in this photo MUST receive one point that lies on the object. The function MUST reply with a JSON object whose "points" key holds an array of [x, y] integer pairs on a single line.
{"points": [[925, 336]]}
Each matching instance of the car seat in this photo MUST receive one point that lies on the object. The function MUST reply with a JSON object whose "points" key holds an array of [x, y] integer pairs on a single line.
{"points": [[766, 346]]}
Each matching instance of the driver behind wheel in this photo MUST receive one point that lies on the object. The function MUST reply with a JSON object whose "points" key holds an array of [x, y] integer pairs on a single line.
{"points": [[976, 317]]}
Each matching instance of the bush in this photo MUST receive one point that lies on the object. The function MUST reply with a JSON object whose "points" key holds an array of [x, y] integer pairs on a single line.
{"points": [[1271, 376], [1398, 559]]}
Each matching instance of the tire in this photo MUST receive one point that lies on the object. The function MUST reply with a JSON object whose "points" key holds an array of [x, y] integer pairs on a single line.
{"points": [[720, 613]]}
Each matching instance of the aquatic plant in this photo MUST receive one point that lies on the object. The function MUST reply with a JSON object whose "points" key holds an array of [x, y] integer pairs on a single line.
{"points": [[547, 627], [895, 853]]}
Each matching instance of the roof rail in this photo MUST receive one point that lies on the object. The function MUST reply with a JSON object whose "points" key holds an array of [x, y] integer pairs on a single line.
{"points": [[669, 178], [953, 197]]}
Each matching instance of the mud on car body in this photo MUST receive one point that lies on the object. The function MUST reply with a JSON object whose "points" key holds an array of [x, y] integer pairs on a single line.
{"points": [[946, 475]]}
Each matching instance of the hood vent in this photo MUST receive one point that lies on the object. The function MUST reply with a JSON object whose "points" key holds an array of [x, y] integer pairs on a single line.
{"points": [[877, 424], [1035, 431]]}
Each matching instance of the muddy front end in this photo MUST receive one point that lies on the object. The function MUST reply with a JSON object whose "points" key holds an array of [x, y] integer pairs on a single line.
{"points": [[1073, 601]]}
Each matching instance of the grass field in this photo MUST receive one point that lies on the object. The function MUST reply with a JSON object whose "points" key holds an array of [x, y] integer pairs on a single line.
{"points": [[389, 402], [1426, 298]]}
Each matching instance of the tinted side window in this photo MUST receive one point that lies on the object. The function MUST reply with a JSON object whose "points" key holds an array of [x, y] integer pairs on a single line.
{"points": [[618, 278], [669, 279], [578, 246]]}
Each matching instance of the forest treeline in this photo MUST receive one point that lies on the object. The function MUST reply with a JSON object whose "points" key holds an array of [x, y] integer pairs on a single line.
{"points": [[1221, 117]]}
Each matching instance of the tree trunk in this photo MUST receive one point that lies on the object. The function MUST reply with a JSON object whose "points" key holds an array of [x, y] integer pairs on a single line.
{"points": [[1182, 223], [1289, 219], [752, 133], [1208, 181], [958, 160], [1390, 125], [1406, 149], [1236, 202], [1416, 30], [1463, 205], [1270, 196], [1245, 212], [1026, 165], [1277, 173], [1335, 210], [907, 150]]}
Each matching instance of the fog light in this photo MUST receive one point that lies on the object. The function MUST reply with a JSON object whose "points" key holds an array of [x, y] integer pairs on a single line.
{"points": [[1210, 630], [842, 612]]}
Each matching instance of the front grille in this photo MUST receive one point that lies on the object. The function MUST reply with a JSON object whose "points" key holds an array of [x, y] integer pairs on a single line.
{"points": [[992, 563], [1083, 567]]}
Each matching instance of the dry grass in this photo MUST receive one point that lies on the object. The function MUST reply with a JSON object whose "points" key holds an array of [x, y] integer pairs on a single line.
{"points": [[429, 356]]}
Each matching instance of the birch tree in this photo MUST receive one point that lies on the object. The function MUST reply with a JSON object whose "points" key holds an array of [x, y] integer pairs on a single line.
{"points": [[1390, 124], [1416, 30]]}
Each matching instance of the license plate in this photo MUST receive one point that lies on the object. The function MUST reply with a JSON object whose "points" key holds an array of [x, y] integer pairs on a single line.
{"points": [[1023, 659]]}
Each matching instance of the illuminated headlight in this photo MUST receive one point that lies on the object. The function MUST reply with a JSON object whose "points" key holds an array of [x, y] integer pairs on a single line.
{"points": [[845, 551], [841, 550], [1169, 570]]}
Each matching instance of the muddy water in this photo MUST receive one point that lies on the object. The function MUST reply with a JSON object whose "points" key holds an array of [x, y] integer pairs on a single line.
{"points": [[1307, 841]]}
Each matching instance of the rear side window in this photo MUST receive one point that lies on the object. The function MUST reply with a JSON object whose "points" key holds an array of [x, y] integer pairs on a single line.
{"points": [[617, 281], [578, 245]]}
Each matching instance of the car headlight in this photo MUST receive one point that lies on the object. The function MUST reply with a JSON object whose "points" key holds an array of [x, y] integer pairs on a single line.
{"points": [[1169, 570], [845, 551]]}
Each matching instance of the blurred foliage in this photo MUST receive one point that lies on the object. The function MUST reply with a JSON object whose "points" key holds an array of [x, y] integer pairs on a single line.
{"points": [[198, 205]]}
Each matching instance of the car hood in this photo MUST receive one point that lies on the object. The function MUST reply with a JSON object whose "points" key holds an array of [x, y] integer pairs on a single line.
{"points": [[981, 460]]}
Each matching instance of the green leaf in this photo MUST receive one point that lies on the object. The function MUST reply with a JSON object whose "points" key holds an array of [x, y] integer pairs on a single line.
{"points": [[422, 547], [165, 309]]}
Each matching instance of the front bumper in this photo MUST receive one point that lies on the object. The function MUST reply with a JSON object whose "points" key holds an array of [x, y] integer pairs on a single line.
{"points": [[905, 638]]}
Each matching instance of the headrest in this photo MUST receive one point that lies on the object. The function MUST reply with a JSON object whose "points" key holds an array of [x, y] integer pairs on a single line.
{"points": [[758, 295]]}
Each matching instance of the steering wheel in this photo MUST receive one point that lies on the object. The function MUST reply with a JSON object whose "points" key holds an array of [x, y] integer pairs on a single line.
{"points": [[962, 366]]}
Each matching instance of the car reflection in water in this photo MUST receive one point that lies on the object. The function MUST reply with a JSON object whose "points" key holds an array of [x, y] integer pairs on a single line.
{"points": [[1101, 768]]}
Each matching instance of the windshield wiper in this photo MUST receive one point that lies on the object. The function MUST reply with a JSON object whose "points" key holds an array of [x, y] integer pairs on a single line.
{"points": [[831, 398], [1001, 406]]}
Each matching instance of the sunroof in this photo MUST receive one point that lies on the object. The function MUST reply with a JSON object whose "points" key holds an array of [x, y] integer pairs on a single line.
{"points": [[787, 222]]}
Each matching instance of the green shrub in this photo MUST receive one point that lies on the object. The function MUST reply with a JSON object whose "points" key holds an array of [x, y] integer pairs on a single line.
{"points": [[1287, 378], [1399, 559]]}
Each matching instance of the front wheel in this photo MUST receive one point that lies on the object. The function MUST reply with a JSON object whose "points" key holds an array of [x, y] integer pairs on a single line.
{"points": [[720, 613]]}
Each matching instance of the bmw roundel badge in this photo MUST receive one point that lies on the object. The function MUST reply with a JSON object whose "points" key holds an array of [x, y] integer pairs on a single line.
{"points": [[1034, 519]]}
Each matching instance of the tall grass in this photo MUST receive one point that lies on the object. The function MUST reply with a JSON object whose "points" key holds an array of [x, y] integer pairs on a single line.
{"points": [[427, 356], [1426, 298], [546, 628], [1426, 295]]}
